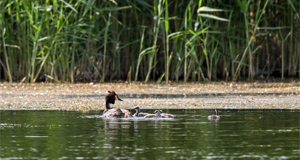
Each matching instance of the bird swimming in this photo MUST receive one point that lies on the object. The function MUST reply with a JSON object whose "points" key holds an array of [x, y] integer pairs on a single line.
{"points": [[138, 113], [166, 115], [114, 112], [215, 117], [156, 115]]}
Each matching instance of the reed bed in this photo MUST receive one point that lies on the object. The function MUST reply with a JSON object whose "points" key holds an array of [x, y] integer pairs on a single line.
{"points": [[143, 40]]}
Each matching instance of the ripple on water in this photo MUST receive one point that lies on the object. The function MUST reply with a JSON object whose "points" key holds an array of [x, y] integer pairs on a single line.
{"points": [[36, 136], [71, 135], [92, 116], [129, 119]]}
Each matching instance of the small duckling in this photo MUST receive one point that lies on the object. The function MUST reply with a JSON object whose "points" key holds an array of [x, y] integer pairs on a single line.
{"points": [[138, 113], [167, 115], [156, 115], [214, 117]]}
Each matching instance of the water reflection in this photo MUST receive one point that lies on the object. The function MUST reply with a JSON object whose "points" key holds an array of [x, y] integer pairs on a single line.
{"points": [[250, 134]]}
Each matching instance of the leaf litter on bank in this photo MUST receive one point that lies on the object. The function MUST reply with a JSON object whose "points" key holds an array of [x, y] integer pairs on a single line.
{"points": [[69, 96]]}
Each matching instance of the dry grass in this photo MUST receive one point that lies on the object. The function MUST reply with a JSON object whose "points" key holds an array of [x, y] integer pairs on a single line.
{"points": [[83, 97]]}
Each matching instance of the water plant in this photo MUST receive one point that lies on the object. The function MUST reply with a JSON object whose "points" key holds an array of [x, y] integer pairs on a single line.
{"points": [[160, 40]]}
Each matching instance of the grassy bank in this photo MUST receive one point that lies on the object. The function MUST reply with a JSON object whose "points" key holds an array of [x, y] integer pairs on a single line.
{"points": [[145, 40]]}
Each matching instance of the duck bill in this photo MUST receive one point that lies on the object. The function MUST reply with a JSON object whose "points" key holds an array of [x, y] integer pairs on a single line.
{"points": [[119, 98]]}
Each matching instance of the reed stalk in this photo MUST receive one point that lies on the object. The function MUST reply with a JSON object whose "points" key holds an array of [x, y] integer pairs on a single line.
{"points": [[195, 40], [166, 21], [105, 47], [157, 18], [8, 72], [245, 9]]}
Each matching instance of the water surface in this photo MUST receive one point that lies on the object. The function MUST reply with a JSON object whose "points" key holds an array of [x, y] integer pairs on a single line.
{"points": [[252, 134]]}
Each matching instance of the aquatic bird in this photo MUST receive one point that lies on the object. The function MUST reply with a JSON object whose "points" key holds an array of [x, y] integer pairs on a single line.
{"points": [[138, 113], [166, 115], [114, 112], [156, 115], [214, 117]]}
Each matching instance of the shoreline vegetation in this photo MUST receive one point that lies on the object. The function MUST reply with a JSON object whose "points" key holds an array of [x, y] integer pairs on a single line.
{"points": [[149, 40], [90, 96]]}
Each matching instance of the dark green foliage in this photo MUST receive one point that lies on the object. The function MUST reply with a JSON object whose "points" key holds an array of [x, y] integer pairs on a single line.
{"points": [[80, 41]]}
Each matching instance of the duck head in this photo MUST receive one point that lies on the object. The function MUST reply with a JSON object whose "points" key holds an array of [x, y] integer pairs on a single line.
{"points": [[158, 112], [111, 97], [217, 111]]}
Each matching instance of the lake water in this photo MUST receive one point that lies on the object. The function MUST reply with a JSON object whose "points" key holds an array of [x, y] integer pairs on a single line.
{"points": [[241, 134]]}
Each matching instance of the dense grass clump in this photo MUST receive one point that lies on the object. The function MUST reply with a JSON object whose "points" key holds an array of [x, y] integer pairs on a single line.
{"points": [[143, 40]]}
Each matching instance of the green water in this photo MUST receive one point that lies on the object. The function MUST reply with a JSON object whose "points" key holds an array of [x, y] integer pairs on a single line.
{"points": [[241, 134]]}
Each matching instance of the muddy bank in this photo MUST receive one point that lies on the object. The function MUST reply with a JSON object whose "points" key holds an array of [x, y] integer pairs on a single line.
{"points": [[67, 96]]}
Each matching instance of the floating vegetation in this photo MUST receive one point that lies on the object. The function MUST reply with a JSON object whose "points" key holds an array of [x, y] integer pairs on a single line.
{"points": [[85, 97]]}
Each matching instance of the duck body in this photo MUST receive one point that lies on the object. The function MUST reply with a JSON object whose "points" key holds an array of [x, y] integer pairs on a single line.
{"points": [[166, 115], [138, 113], [114, 112], [156, 115], [215, 117], [127, 114]]}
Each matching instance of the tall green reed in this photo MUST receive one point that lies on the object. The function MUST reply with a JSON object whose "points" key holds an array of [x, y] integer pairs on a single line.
{"points": [[74, 41], [157, 9]]}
